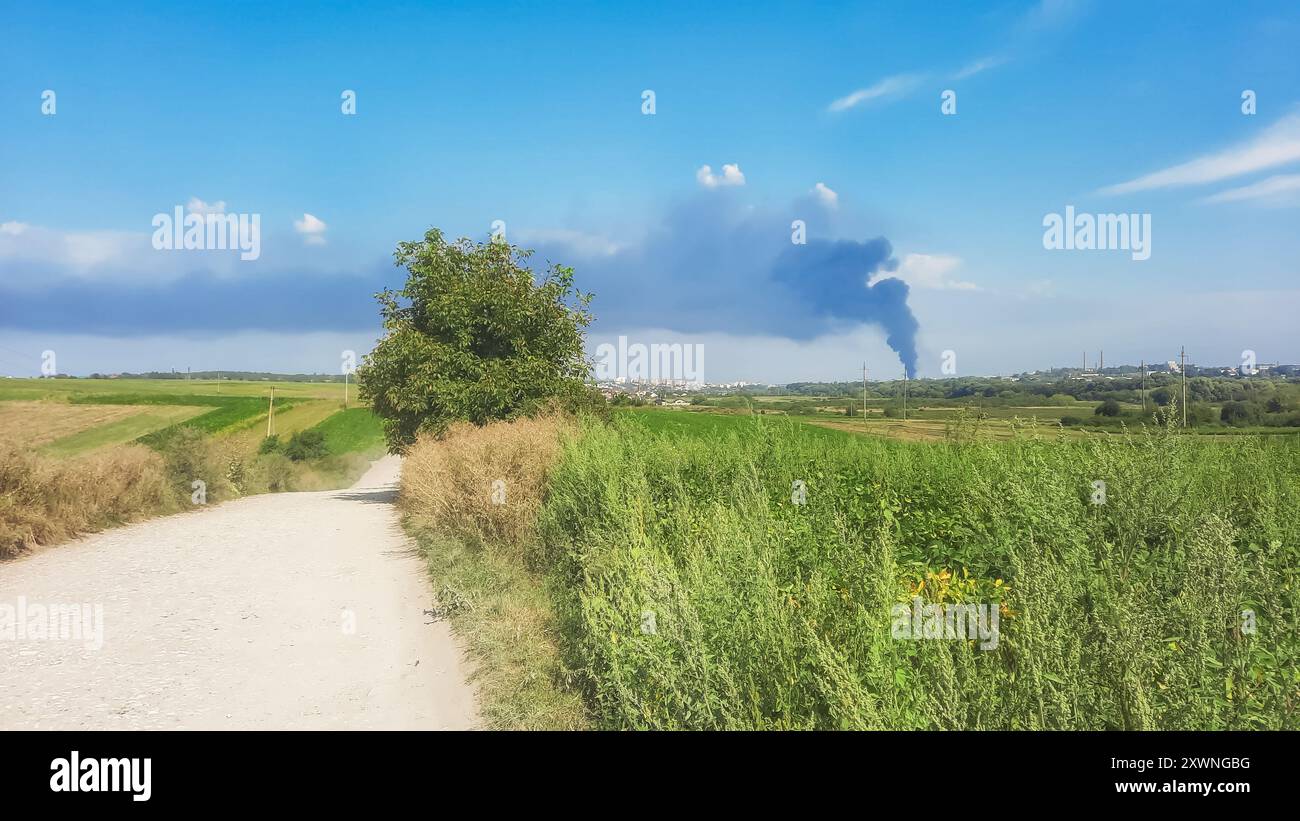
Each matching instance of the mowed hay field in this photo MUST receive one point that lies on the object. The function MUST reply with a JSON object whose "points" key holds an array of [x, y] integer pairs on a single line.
{"points": [[74, 417], [32, 424]]}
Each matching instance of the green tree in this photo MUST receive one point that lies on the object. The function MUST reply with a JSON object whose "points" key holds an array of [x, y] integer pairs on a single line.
{"points": [[1108, 408], [1236, 413], [474, 336]]}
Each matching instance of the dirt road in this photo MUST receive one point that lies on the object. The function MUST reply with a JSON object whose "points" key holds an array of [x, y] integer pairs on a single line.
{"points": [[289, 610]]}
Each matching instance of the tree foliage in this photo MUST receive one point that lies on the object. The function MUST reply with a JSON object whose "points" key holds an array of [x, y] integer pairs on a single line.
{"points": [[1108, 408], [473, 335]]}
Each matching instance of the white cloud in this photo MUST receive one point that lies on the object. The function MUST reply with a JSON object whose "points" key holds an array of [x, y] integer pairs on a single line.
{"points": [[1274, 188], [982, 64], [205, 209], [311, 228], [1277, 145], [1051, 14], [930, 271], [32, 255], [587, 245], [825, 195], [894, 86], [83, 354], [731, 175]]}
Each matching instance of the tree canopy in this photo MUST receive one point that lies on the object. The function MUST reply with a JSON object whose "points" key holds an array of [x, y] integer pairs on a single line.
{"points": [[473, 335]]}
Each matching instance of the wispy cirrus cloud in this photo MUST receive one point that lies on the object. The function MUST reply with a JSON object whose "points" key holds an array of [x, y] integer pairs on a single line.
{"points": [[1275, 188], [979, 66], [891, 87], [584, 243], [1043, 19], [1277, 145]]}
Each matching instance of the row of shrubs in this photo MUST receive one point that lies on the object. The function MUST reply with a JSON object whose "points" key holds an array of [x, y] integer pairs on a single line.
{"points": [[1232, 414]]}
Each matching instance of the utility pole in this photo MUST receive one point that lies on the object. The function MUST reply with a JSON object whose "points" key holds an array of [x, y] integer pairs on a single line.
{"points": [[1182, 364], [270, 416], [904, 394], [864, 392], [1144, 386], [345, 389]]}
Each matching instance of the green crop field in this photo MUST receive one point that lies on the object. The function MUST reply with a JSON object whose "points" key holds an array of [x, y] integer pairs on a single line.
{"points": [[770, 560], [355, 430], [58, 416]]}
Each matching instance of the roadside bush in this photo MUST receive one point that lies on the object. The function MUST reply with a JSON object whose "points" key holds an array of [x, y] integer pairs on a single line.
{"points": [[191, 455], [270, 444], [306, 444], [483, 482], [273, 473], [44, 501]]}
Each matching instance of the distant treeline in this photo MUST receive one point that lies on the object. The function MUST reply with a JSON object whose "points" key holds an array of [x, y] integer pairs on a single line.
{"points": [[1124, 389], [243, 376], [1235, 402]]}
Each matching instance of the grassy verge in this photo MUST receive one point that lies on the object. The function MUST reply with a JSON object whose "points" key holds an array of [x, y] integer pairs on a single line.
{"points": [[659, 576], [477, 551], [772, 613], [44, 500]]}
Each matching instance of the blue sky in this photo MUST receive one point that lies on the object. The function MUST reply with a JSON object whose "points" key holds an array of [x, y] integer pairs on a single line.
{"points": [[532, 114]]}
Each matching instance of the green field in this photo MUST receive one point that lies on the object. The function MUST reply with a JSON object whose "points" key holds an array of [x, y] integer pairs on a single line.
{"points": [[355, 430], [121, 431], [56, 389], [230, 410], [772, 611], [704, 423], [926, 421]]}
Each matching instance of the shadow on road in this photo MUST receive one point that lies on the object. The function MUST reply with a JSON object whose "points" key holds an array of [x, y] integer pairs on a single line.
{"points": [[376, 496]]}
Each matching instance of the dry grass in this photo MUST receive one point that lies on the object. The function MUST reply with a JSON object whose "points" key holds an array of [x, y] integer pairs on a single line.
{"points": [[44, 500], [448, 483], [477, 553]]}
